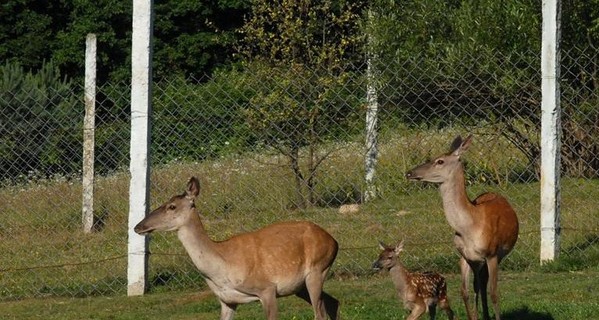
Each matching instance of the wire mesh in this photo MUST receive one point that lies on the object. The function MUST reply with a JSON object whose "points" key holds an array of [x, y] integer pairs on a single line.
{"points": [[271, 144]]}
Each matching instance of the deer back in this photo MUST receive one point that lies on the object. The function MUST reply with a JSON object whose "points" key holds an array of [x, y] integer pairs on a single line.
{"points": [[281, 249]]}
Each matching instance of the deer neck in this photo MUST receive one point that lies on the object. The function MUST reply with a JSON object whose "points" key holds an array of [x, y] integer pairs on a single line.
{"points": [[199, 246], [456, 204], [399, 276]]}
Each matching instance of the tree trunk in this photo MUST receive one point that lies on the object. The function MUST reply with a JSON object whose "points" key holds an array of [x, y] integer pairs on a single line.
{"points": [[300, 200]]}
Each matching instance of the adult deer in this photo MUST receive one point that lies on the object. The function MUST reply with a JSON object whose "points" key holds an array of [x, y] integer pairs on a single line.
{"points": [[486, 229], [279, 260], [420, 292]]}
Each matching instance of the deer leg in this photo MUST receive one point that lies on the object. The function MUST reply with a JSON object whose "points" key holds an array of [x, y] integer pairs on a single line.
{"points": [[227, 311], [268, 298], [444, 301], [465, 275], [417, 311], [444, 304], [330, 303], [483, 276], [479, 285], [314, 283], [432, 311], [493, 266]]}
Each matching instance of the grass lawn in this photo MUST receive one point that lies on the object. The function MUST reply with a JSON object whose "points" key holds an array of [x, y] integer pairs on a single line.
{"points": [[524, 295], [50, 258]]}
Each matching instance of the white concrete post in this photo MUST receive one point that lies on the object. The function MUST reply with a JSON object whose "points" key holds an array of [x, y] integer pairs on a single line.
{"points": [[372, 110], [550, 131], [89, 124], [141, 98]]}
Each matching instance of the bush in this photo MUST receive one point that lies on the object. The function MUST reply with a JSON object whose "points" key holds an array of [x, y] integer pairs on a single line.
{"points": [[41, 131], [200, 120]]}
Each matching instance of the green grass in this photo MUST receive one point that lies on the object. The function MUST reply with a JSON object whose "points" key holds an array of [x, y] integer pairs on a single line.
{"points": [[524, 295], [48, 255]]}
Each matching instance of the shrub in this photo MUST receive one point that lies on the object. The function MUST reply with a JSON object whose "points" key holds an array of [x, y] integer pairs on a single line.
{"points": [[40, 135]]}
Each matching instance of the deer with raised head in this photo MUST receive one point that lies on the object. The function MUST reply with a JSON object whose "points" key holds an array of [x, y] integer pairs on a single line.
{"points": [[420, 292], [486, 228], [278, 260]]}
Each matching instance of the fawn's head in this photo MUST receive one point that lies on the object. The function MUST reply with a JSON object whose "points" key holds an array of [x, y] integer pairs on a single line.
{"points": [[172, 214], [441, 168], [388, 257]]}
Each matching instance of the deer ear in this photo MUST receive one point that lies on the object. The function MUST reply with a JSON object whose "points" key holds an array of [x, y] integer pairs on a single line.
{"points": [[193, 187], [455, 145], [459, 146], [382, 246], [399, 247]]}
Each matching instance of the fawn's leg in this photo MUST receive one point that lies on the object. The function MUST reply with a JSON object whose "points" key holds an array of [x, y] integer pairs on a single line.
{"points": [[444, 300], [432, 311], [417, 311]]}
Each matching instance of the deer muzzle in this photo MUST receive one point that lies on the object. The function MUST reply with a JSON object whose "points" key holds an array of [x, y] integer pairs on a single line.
{"points": [[411, 175], [376, 266], [141, 229]]}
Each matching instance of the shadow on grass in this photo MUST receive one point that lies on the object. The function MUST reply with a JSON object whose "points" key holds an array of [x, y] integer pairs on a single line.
{"points": [[106, 287], [166, 280], [524, 313], [589, 241], [580, 256]]}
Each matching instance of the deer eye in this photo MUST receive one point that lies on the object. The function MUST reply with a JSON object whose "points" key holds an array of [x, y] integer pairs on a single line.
{"points": [[439, 161], [172, 206]]}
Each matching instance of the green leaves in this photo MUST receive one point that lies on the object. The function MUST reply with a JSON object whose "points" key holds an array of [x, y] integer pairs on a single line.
{"points": [[40, 131], [303, 32]]}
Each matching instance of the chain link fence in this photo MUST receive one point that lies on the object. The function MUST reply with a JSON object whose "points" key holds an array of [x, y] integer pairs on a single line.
{"points": [[271, 144]]}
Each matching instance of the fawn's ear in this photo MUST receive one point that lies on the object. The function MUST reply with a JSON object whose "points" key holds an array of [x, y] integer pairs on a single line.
{"points": [[399, 248], [459, 146], [193, 188], [382, 246]]}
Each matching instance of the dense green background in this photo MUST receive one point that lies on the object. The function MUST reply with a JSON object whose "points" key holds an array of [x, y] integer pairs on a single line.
{"points": [[197, 37], [209, 56]]}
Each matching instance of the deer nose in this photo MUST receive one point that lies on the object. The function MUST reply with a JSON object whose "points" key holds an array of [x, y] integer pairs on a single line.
{"points": [[138, 228], [141, 229], [410, 175], [376, 266]]}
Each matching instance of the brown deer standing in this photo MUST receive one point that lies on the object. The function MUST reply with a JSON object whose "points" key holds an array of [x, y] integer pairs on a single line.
{"points": [[279, 260], [486, 229], [420, 292]]}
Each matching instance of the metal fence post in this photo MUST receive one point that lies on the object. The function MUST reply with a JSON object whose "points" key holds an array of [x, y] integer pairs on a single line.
{"points": [[141, 98], [89, 125], [550, 131]]}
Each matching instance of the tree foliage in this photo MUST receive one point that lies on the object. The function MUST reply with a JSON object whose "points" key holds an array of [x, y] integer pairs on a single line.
{"points": [[479, 61], [438, 61], [26, 27], [40, 131], [191, 37], [304, 50], [444, 61], [304, 32], [210, 111]]}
